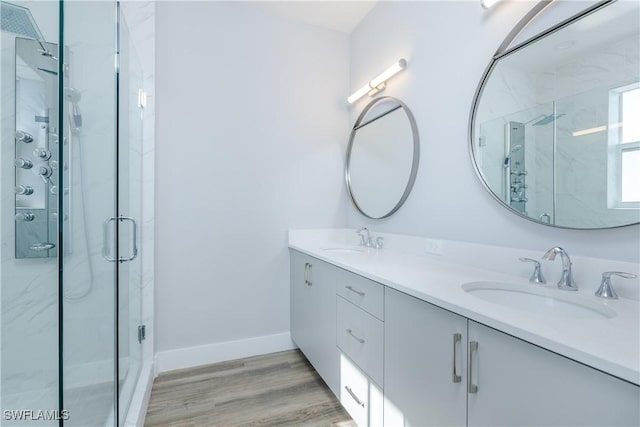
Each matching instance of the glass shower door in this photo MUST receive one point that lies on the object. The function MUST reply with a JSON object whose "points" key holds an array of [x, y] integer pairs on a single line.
{"points": [[130, 332], [89, 301]]}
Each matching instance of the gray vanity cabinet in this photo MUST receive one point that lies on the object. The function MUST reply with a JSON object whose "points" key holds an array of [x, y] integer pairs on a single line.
{"points": [[508, 382], [439, 368], [313, 314], [423, 386], [522, 384]]}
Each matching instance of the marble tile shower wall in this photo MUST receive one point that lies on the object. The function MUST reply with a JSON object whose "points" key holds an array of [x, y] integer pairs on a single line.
{"points": [[28, 306]]}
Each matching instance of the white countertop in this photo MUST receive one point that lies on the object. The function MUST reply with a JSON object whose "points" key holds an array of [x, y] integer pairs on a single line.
{"points": [[611, 345]]}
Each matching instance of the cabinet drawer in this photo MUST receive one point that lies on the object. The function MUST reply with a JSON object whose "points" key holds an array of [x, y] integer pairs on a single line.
{"points": [[362, 292], [360, 336], [359, 395]]}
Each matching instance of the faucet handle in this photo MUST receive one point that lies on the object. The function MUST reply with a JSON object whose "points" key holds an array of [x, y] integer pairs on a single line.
{"points": [[360, 232], [606, 289], [536, 276], [379, 242]]}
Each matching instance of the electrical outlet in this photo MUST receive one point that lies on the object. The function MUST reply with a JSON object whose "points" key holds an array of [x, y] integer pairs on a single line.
{"points": [[434, 247]]}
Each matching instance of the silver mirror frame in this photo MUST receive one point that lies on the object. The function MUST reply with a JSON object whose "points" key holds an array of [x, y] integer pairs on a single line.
{"points": [[503, 50], [416, 152]]}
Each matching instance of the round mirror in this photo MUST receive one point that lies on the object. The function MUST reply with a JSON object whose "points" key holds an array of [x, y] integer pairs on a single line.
{"points": [[555, 129], [382, 157]]}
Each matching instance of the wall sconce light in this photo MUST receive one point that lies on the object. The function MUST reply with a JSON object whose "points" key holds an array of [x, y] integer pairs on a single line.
{"points": [[488, 4], [378, 83]]}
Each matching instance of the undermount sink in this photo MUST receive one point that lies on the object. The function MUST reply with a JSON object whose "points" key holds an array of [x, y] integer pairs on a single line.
{"points": [[542, 301], [346, 249]]}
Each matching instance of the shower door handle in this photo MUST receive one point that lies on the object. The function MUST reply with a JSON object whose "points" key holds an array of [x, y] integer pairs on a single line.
{"points": [[106, 247], [106, 250], [134, 251]]}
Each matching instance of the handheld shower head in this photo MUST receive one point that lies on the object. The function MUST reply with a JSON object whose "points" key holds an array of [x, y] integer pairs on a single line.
{"points": [[75, 117]]}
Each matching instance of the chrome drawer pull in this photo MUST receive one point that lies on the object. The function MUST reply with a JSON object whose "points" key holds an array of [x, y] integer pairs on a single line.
{"points": [[457, 338], [350, 332], [307, 274], [358, 401], [473, 347], [355, 291]]}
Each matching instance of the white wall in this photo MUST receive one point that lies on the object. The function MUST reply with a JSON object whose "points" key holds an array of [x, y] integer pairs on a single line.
{"points": [[251, 131], [448, 45]]}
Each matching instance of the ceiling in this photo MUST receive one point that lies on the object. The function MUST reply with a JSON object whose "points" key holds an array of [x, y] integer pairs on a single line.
{"points": [[342, 16]]}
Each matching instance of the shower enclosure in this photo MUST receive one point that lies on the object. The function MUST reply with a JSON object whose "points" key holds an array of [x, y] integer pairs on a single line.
{"points": [[71, 201]]}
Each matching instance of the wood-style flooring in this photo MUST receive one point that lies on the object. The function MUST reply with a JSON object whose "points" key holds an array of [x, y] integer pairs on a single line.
{"points": [[279, 389]]}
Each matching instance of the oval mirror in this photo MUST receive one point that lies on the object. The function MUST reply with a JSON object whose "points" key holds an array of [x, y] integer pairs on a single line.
{"points": [[382, 157], [555, 124]]}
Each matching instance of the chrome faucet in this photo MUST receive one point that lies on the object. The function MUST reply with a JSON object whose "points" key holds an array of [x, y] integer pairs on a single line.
{"points": [[606, 289], [566, 281], [364, 241]]}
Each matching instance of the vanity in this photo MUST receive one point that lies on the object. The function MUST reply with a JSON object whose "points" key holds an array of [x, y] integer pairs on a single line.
{"points": [[407, 330], [401, 339]]}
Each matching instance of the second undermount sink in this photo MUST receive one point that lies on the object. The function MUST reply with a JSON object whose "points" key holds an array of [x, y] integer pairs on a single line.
{"points": [[542, 301]]}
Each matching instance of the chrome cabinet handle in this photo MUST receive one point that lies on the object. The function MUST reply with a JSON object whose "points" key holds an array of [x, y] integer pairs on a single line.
{"points": [[41, 247], [355, 291], [353, 395], [106, 249], [350, 332], [307, 274], [473, 347], [134, 252], [457, 338]]}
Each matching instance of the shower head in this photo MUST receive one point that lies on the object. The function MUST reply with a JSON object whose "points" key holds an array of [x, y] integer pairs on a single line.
{"points": [[548, 119], [18, 20]]}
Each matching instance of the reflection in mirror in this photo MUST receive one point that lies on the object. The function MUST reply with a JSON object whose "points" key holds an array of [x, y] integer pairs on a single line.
{"points": [[555, 134], [382, 157]]}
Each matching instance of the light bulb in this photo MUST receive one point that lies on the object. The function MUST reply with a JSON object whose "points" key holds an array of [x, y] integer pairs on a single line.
{"points": [[378, 81], [388, 73], [488, 4]]}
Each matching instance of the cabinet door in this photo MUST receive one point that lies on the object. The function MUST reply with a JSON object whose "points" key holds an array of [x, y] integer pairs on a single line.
{"points": [[419, 354], [300, 298], [520, 384], [313, 314]]}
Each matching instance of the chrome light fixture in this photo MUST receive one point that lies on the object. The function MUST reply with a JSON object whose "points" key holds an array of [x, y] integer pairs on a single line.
{"points": [[378, 83]]}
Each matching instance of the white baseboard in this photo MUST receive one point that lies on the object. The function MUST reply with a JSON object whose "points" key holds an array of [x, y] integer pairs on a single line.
{"points": [[140, 400], [188, 357]]}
